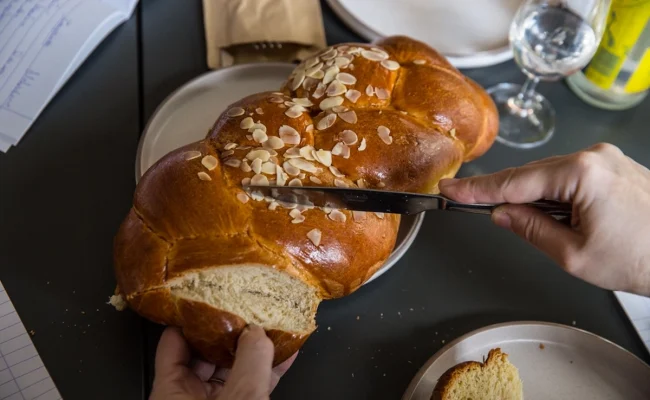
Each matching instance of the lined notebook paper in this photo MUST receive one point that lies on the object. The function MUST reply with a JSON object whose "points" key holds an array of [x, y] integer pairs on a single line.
{"points": [[637, 309], [22, 373], [42, 43]]}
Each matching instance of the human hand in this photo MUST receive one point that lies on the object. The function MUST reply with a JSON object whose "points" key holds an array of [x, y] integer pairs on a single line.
{"points": [[608, 243], [251, 377]]}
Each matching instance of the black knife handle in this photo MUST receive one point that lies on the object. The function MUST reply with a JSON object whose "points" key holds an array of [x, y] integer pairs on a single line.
{"points": [[549, 207]]}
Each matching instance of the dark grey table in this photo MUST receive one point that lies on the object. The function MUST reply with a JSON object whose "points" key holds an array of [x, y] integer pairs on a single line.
{"points": [[66, 187]]}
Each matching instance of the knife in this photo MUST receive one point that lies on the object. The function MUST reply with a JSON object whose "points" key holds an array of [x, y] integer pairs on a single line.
{"points": [[387, 202]]}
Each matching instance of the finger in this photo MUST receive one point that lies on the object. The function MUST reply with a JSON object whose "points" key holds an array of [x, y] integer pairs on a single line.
{"points": [[250, 377], [557, 240], [280, 369], [203, 369], [514, 185], [172, 352]]}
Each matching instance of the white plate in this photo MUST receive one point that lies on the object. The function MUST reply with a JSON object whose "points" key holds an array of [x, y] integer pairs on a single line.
{"points": [[554, 362], [470, 33], [187, 114]]}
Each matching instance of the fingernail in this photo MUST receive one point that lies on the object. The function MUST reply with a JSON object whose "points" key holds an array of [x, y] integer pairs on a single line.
{"points": [[501, 218]]}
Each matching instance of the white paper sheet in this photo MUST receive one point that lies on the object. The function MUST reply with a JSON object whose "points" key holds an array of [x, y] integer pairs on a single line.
{"points": [[22, 373], [637, 309], [42, 43]]}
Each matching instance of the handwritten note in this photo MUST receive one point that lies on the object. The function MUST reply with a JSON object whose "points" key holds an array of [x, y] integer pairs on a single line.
{"points": [[22, 373], [637, 309], [42, 43]]}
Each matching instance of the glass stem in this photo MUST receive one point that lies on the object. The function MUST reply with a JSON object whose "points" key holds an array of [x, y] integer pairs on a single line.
{"points": [[526, 97]]}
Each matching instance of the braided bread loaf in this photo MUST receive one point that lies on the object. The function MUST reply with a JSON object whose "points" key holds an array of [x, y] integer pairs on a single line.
{"points": [[197, 252]]}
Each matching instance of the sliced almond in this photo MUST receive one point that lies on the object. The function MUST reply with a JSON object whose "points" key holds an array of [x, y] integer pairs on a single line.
{"points": [[259, 180], [337, 216], [245, 167], [351, 67], [227, 153], [191, 155], [340, 109], [230, 146], [323, 156], [295, 111], [315, 236], [264, 155], [329, 54], [361, 183], [310, 62], [302, 175], [303, 101], [379, 215], [353, 95], [335, 171], [257, 196], [419, 62], [309, 83], [362, 145], [273, 205], [273, 142], [294, 213], [452, 133], [384, 134], [272, 153], [204, 176], [259, 136], [403, 112], [336, 88], [295, 182], [235, 112], [340, 183], [246, 123], [232, 162], [297, 80], [309, 128], [311, 70], [256, 165], [246, 181], [331, 102], [348, 137], [326, 121], [346, 79], [274, 99], [318, 75], [349, 116], [390, 65], [280, 176], [306, 153], [320, 91], [298, 220], [303, 165], [381, 185], [358, 215], [257, 125], [293, 152], [315, 180], [330, 74], [370, 90], [341, 62], [291, 169], [241, 196], [373, 55], [289, 135], [268, 168], [382, 94]]}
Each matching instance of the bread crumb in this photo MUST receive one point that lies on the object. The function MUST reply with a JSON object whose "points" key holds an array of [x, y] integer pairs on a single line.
{"points": [[32, 332], [541, 346], [409, 362], [83, 312], [399, 313], [48, 282], [353, 374], [436, 333], [573, 323], [410, 309], [357, 317], [329, 328], [117, 301], [384, 374], [443, 341], [381, 315]]}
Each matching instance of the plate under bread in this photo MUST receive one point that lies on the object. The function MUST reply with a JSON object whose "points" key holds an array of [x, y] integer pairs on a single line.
{"points": [[554, 361], [187, 114]]}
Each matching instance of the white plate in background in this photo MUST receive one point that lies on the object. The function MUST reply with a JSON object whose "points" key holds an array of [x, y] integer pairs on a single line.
{"points": [[554, 361], [187, 115], [470, 33]]}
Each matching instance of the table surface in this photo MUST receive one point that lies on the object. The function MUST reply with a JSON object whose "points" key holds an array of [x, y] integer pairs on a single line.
{"points": [[67, 186]]}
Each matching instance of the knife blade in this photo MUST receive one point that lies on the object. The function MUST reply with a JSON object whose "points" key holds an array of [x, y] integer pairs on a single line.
{"points": [[386, 201]]}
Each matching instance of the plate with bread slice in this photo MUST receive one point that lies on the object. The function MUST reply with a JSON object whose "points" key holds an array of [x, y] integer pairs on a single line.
{"points": [[531, 360], [197, 251]]}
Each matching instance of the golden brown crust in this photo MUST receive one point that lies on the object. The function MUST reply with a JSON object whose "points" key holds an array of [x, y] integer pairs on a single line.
{"points": [[187, 218]]}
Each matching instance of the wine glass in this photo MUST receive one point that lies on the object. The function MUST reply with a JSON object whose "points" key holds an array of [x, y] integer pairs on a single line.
{"points": [[550, 39]]}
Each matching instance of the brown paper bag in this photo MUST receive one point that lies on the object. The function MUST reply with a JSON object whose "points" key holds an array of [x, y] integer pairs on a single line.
{"points": [[296, 25]]}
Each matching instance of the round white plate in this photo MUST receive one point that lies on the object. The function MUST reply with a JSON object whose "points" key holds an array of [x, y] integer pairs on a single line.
{"points": [[470, 33], [187, 114], [554, 362]]}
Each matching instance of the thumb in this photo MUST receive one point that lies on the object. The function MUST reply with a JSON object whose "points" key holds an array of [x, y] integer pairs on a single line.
{"points": [[558, 241]]}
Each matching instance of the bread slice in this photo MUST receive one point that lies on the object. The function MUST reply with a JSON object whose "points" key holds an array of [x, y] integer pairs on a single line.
{"points": [[494, 379]]}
